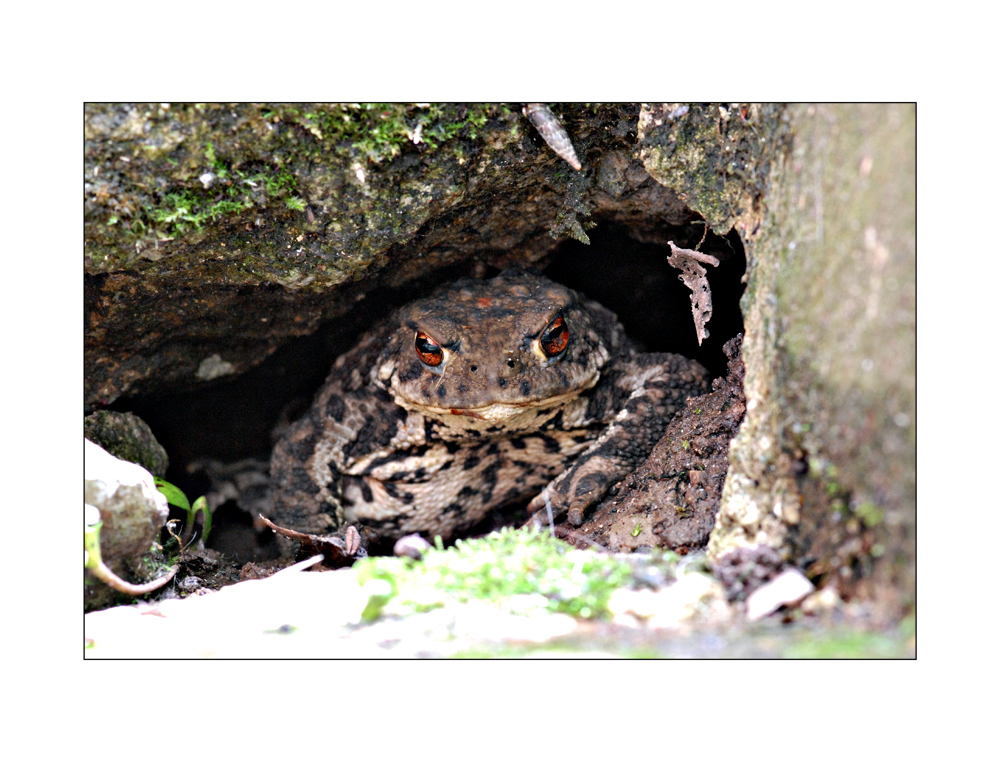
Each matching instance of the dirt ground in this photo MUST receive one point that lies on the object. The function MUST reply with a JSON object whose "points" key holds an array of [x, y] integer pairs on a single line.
{"points": [[671, 500]]}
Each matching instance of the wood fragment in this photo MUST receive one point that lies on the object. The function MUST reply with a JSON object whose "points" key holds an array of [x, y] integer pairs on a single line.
{"points": [[337, 549], [688, 261]]}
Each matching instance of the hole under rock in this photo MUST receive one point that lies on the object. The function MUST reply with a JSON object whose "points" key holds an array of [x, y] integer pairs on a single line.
{"points": [[234, 419], [633, 279]]}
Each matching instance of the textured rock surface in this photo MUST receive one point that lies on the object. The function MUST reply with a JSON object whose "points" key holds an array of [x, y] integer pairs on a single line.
{"points": [[126, 436], [132, 509], [132, 513], [214, 233], [824, 465]]}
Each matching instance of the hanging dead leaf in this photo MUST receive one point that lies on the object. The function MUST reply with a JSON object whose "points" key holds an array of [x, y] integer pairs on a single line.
{"points": [[689, 262]]}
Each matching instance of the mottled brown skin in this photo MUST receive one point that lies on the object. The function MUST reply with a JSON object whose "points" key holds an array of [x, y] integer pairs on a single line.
{"points": [[508, 405]]}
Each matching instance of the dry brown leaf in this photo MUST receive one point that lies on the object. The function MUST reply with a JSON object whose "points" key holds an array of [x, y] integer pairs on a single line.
{"points": [[688, 261]]}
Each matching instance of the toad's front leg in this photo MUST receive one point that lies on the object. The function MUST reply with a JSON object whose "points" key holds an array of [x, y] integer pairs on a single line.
{"points": [[654, 388]]}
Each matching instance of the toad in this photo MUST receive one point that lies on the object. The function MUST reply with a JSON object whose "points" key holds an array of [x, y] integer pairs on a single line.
{"points": [[483, 394]]}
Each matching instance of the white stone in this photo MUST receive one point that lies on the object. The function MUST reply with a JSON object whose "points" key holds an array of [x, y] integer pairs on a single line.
{"points": [[132, 509], [789, 587]]}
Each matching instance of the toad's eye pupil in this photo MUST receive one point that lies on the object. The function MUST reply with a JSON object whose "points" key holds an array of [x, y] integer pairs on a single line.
{"points": [[428, 350], [555, 337]]}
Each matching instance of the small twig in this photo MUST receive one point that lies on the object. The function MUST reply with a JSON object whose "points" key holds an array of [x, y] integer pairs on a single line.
{"points": [[300, 566], [170, 530], [188, 538], [703, 236]]}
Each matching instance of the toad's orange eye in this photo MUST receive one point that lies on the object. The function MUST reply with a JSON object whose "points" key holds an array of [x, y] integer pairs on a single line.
{"points": [[428, 350], [555, 337]]}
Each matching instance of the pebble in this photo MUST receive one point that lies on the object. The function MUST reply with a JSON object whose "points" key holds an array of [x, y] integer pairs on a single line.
{"points": [[789, 587]]}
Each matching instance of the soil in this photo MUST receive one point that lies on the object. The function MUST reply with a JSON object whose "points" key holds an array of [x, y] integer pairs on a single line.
{"points": [[672, 499]]}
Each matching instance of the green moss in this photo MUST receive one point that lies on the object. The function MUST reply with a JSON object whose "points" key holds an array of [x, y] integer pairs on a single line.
{"points": [[380, 131], [200, 164], [521, 569], [226, 191], [189, 210], [128, 437]]}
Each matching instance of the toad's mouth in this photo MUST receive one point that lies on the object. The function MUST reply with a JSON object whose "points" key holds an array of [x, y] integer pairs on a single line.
{"points": [[493, 412]]}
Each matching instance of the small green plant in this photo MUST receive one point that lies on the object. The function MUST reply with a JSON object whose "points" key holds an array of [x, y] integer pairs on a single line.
{"points": [[175, 496]]}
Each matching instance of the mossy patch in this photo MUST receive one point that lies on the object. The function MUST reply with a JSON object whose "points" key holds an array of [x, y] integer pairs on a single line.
{"points": [[220, 191], [519, 569], [172, 173], [380, 131], [717, 157]]}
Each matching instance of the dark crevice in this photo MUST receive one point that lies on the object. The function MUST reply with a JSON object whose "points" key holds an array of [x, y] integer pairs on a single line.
{"points": [[234, 419], [633, 279]]}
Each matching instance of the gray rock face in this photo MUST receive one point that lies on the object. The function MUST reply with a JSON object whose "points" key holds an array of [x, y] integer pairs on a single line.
{"points": [[126, 436], [132, 509], [824, 465]]}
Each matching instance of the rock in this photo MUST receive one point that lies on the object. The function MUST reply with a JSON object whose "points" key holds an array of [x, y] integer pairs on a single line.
{"points": [[126, 436], [132, 509], [824, 464], [214, 233], [694, 596], [789, 587], [412, 546], [684, 149], [745, 569]]}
